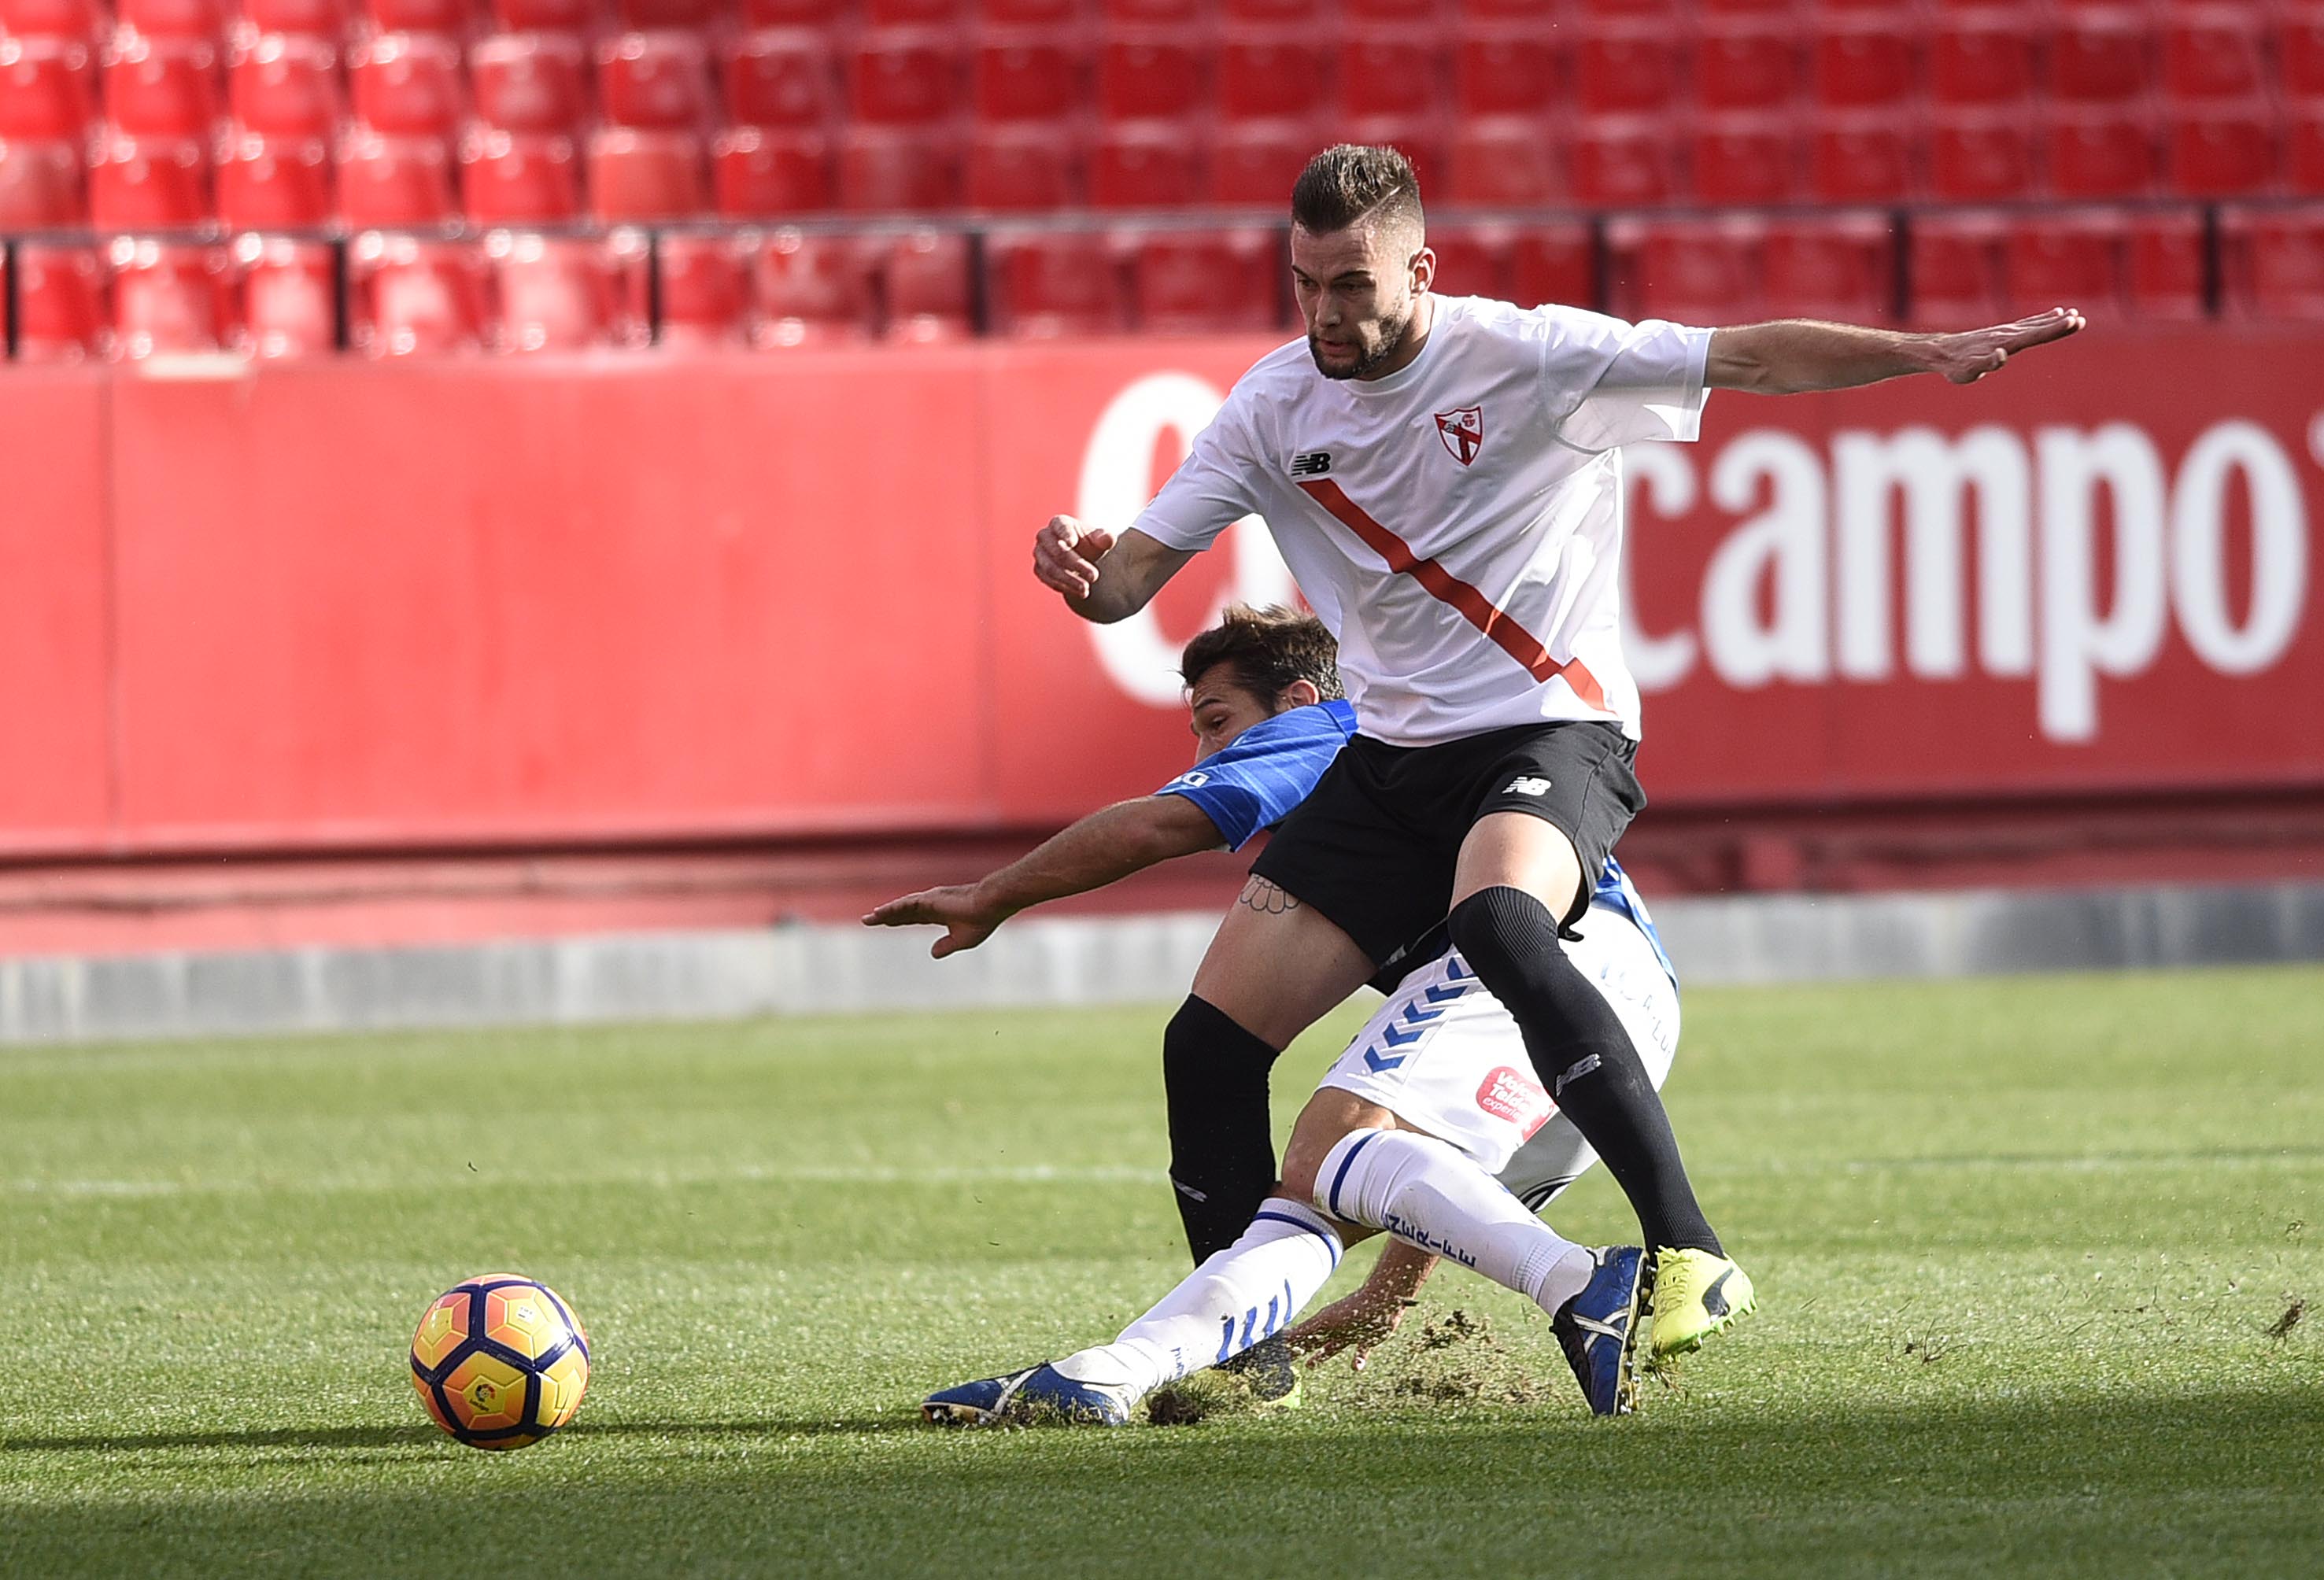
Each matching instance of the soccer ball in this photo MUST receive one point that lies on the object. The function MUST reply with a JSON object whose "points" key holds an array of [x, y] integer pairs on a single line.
{"points": [[500, 1362]]}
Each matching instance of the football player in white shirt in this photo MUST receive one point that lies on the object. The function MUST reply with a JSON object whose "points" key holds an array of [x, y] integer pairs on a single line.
{"points": [[1443, 477]]}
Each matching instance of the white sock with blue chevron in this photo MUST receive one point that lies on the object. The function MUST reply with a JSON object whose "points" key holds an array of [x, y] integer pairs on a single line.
{"points": [[1431, 1194], [1249, 1291]]}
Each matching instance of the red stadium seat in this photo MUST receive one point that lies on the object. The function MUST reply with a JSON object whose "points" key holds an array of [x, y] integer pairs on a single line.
{"points": [[161, 87], [1273, 13], [2221, 150], [78, 20], [408, 84], [274, 183], [1619, 66], [322, 20], [1980, 156], [1501, 163], [1694, 270], [554, 293], [42, 186], [395, 182], [1505, 74], [1142, 77], [569, 17], [929, 13], [48, 89], [704, 289], [536, 83], [453, 19], [759, 13], [903, 80], [2069, 260], [288, 87], [413, 298], [2303, 153], [926, 273], [1028, 12], [2165, 277], [1504, 13], [1409, 12], [170, 19], [2300, 52], [2275, 264], [637, 175], [1746, 159], [2212, 52], [1157, 12], [520, 177], [288, 298], [655, 16], [1720, 10], [758, 173], [777, 80], [1983, 59], [809, 289], [1204, 282], [1026, 78], [1471, 260], [1257, 165], [2100, 56], [1392, 74], [1746, 65], [654, 81], [1622, 163], [1270, 77], [1860, 159], [168, 299], [2100, 153], [1047, 285], [148, 183], [1841, 267], [61, 312], [1863, 65], [1631, 10], [1138, 167], [1015, 169], [1420, 140], [1553, 263], [1955, 267], [880, 168]]}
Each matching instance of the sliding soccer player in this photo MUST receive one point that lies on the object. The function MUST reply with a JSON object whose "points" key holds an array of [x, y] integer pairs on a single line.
{"points": [[1443, 475]]}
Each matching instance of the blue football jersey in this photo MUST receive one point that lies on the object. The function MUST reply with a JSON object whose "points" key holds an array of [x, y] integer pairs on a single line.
{"points": [[1254, 781]]}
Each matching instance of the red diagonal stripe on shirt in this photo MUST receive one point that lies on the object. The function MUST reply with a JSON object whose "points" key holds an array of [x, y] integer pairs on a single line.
{"points": [[1475, 607]]}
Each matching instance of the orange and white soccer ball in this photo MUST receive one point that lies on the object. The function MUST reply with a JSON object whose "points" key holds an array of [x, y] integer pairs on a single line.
{"points": [[500, 1362]]}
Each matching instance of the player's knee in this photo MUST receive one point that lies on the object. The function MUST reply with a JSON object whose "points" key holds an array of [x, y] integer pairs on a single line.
{"points": [[1204, 1050], [1500, 930]]}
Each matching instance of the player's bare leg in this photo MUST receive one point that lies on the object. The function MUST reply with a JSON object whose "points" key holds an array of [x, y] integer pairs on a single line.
{"points": [[1517, 876]]}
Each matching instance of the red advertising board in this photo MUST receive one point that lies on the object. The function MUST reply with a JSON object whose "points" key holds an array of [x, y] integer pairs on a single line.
{"points": [[629, 597]]}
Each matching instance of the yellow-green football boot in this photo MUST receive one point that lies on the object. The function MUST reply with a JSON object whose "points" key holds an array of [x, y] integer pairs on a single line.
{"points": [[1695, 1295]]}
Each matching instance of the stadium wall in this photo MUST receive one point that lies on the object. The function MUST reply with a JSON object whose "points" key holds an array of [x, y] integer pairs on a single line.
{"points": [[571, 603]]}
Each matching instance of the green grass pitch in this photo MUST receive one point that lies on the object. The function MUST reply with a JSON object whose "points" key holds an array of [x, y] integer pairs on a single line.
{"points": [[2026, 1254]]}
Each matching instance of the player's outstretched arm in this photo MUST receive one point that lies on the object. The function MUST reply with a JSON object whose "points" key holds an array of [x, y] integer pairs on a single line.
{"points": [[1794, 356], [1103, 578], [1101, 848], [1360, 1320]]}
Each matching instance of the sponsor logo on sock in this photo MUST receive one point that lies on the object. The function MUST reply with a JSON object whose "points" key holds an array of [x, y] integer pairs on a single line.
{"points": [[1527, 786], [1574, 1072]]}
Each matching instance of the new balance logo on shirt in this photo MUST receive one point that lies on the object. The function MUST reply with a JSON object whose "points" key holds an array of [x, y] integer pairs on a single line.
{"points": [[1527, 787], [1311, 464]]}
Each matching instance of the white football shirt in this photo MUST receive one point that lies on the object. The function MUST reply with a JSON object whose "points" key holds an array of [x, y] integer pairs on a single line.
{"points": [[1457, 524]]}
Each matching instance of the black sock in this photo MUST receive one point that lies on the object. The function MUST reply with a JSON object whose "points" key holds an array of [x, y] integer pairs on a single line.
{"points": [[1584, 1058], [1222, 1149]]}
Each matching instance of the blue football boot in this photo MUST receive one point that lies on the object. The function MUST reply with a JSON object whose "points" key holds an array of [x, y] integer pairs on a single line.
{"points": [[1037, 1393], [1599, 1328]]}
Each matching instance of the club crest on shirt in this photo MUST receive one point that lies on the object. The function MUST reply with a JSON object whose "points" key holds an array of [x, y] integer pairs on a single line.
{"points": [[1462, 429]]}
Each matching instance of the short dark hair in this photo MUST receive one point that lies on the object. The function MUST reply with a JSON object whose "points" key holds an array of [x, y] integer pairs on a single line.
{"points": [[1268, 648], [1350, 182]]}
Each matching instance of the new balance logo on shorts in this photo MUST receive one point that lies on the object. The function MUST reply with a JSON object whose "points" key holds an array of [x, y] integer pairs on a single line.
{"points": [[1527, 787], [1311, 464]]}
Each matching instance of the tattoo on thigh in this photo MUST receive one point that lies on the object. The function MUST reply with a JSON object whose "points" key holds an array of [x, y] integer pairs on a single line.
{"points": [[1269, 899]]}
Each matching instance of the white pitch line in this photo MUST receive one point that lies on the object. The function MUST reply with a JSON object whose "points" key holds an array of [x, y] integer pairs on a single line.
{"points": [[804, 1173]]}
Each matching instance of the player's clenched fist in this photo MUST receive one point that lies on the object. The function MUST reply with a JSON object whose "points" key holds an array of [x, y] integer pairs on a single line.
{"points": [[1066, 554]]}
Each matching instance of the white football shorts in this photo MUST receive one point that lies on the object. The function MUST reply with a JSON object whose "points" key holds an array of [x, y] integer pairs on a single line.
{"points": [[1443, 1056]]}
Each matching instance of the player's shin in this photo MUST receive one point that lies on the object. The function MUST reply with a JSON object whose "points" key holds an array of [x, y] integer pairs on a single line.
{"points": [[1431, 1194], [1249, 1291], [1584, 1058], [1221, 1148]]}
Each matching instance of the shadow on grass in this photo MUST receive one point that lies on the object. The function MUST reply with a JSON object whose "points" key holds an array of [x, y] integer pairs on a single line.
{"points": [[420, 1435]]}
